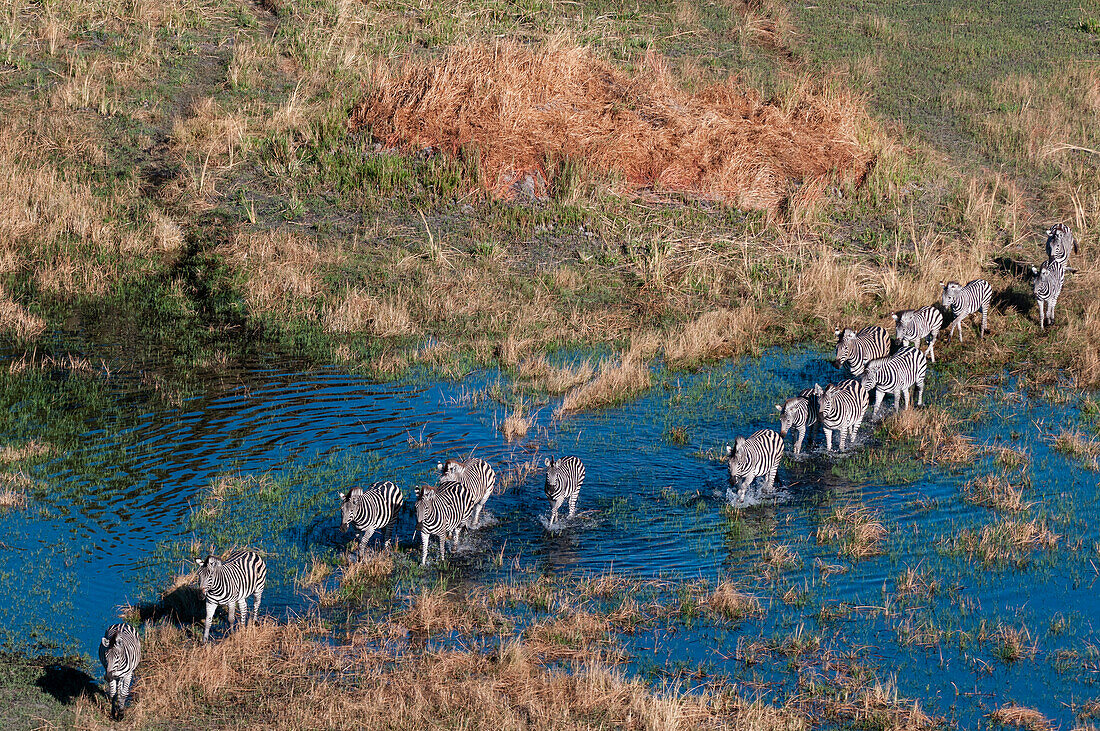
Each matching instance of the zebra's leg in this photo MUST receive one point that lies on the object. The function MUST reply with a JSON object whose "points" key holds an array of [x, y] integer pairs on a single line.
{"points": [[475, 521], [798, 442], [256, 604], [744, 489], [841, 436], [210, 607], [124, 693], [769, 485], [443, 548], [1042, 316], [554, 511], [828, 439], [959, 327], [931, 344], [244, 611], [115, 713], [364, 542], [879, 395], [572, 505], [920, 392], [423, 548], [1050, 311], [232, 607], [985, 319]]}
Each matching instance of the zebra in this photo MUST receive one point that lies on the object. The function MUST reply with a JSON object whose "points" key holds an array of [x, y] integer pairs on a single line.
{"points": [[1059, 243], [1049, 279], [230, 583], [840, 407], [375, 509], [564, 477], [856, 348], [897, 375], [915, 325], [476, 475], [965, 301], [757, 456], [442, 510], [798, 412], [120, 653]]}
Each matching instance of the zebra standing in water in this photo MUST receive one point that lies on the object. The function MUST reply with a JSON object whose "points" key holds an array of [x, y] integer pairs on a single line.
{"points": [[120, 653], [1049, 279], [840, 408], [442, 510], [798, 412], [476, 475], [757, 456], [375, 509], [897, 375], [965, 301], [856, 348], [564, 477], [915, 325], [230, 583], [1059, 243]]}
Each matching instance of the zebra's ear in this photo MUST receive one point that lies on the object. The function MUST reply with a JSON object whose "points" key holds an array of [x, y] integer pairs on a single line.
{"points": [[439, 466], [106, 642], [894, 315], [1034, 270], [818, 390], [737, 444], [546, 461], [836, 332], [729, 451], [779, 408], [200, 562], [342, 496]]}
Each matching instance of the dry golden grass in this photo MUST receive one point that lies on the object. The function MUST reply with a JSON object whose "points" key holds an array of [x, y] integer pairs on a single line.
{"points": [[538, 372], [1013, 643], [1021, 717], [780, 556], [30, 450], [1006, 540], [936, 433], [727, 600], [12, 499], [913, 583], [268, 675], [716, 334], [617, 379], [525, 111], [1077, 444], [995, 491], [516, 424], [856, 528]]}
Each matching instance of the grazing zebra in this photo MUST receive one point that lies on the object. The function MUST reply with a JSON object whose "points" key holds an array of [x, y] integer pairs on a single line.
{"points": [[897, 375], [442, 510], [120, 653], [564, 477], [230, 583], [757, 456], [965, 301], [372, 510], [1059, 243], [1049, 279], [840, 408], [915, 325], [856, 348], [798, 412], [476, 475]]}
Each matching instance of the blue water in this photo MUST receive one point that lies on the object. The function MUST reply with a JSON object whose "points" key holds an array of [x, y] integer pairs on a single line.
{"points": [[116, 520]]}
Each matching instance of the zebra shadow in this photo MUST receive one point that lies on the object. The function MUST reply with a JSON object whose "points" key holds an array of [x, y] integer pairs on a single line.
{"points": [[1013, 299], [182, 603], [1013, 268], [65, 683]]}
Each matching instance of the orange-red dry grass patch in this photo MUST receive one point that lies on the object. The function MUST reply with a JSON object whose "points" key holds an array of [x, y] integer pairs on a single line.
{"points": [[525, 111]]}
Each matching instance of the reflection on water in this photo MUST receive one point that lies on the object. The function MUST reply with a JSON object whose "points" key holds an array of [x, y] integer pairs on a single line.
{"points": [[648, 507]]}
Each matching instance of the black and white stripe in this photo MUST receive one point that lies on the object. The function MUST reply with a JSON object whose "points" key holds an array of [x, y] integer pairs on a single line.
{"points": [[441, 511], [476, 475], [897, 375], [1059, 243], [856, 348], [1049, 279], [916, 325], [229, 583], [757, 456], [564, 477], [965, 301], [120, 653], [374, 509], [798, 413], [840, 408]]}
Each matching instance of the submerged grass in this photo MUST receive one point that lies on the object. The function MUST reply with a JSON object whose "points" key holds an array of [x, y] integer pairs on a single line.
{"points": [[856, 529]]}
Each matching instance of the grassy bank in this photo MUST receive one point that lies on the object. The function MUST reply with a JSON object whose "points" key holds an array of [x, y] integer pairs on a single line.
{"points": [[208, 175]]}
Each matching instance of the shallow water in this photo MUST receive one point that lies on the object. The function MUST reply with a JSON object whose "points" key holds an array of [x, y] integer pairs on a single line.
{"points": [[119, 518]]}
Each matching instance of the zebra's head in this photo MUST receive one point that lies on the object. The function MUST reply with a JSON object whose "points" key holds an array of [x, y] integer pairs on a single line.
{"points": [[209, 568], [552, 471], [348, 504], [792, 414], [950, 293], [845, 341], [1060, 239], [903, 324], [737, 459], [871, 374], [425, 498], [451, 470], [111, 655]]}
